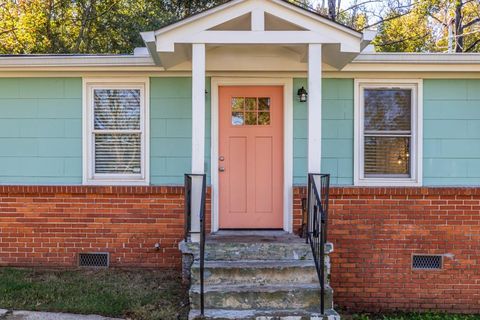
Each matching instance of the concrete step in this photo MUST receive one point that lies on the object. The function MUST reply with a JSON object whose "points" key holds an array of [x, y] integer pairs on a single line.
{"points": [[269, 297], [222, 314], [242, 251], [256, 272]]}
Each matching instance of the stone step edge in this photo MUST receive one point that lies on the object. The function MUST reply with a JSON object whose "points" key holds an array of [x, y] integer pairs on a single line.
{"points": [[258, 288], [188, 246], [256, 264], [228, 314]]}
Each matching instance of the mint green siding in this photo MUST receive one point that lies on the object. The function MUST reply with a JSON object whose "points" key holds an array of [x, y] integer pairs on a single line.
{"points": [[337, 131], [451, 132], [40, 131], [171, 129]]}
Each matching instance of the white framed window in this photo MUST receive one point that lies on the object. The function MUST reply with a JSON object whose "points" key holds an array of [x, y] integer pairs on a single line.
{"points": [[388, 132], [116, 131]]}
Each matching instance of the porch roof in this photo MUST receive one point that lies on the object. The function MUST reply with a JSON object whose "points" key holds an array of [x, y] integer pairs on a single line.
{"points": [[256, 23]]}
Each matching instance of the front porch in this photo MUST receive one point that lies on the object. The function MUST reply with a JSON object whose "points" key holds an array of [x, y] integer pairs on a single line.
{"points": [[247, 275], [251, 160]]}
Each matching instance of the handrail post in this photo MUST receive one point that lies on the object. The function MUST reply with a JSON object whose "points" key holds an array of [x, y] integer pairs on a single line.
{"points": [[202, 246], [187, 209], [189, 185], [317, 215]]}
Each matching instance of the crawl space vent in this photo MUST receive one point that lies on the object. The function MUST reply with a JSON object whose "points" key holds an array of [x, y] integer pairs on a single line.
{"points": [[427, 262], [93, 260]]}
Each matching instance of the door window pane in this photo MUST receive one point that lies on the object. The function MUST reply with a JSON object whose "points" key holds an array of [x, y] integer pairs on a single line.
{"points": [[264, 118], [250, 111], [264, 104], [251, 118], [251, 104], [237, 118], [238, 104]]}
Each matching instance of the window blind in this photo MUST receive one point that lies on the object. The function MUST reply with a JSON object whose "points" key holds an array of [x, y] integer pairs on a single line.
{"points": [[117, 131], [387, 132]]}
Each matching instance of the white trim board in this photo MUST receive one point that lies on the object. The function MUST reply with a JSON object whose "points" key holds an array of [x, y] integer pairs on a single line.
{"points": [[416, 178], [142, 83], [287, 84]]}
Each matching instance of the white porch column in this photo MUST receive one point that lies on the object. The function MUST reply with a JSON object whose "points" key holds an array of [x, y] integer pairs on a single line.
{"points": [[198, 108], [198, 133], [314, 108]]}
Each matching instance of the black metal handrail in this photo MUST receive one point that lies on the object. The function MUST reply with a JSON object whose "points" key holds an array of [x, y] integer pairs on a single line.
{"points": [[188, 225], [317, 217]]}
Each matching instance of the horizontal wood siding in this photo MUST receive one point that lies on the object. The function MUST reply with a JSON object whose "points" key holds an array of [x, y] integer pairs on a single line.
{"points": [[40, 130], [171, 129], [337, 131], [451, 132]]}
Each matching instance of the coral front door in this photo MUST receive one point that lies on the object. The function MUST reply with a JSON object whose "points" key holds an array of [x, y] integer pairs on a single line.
{"points": [[251, 157]]}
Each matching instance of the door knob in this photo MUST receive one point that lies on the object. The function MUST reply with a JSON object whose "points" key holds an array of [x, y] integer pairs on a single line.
{"points": [[221, 169], [221, 158]]}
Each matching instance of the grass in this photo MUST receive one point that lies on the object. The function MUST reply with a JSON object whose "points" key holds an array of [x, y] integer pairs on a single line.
{"points": [[131, 294], [134, 294], [411, 316]]}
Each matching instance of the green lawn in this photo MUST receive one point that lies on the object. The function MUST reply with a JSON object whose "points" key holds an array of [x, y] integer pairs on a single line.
{"points": [[134, 294]]}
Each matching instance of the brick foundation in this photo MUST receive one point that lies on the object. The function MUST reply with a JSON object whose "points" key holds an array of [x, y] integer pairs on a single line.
{"points": [[375, 232], [49, 225]]}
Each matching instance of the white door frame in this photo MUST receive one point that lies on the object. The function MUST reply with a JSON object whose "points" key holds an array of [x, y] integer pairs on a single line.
{"points": [[287, 84]]}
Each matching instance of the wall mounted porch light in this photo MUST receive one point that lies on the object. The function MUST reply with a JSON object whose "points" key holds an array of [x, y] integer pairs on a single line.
{"points": [[302, 94]]}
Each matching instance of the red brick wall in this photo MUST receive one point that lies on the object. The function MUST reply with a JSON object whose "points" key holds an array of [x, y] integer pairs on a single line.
{"points": [[375, 232], [50, 225]]}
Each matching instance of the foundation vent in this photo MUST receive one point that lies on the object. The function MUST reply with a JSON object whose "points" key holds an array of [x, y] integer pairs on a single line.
{"points": [[426, 262], [94, 260]]}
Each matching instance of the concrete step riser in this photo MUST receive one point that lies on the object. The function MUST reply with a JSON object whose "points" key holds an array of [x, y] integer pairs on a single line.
{"points": [[293, 299], [220, 314], [256, 275], [257, 251]]}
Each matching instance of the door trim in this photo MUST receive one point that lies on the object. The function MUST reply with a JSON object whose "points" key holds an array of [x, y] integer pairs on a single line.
{"points": [[287, 84]]}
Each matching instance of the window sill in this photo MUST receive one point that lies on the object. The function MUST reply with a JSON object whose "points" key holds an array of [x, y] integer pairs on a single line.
{"points": [[388, 183], [101, 182]]}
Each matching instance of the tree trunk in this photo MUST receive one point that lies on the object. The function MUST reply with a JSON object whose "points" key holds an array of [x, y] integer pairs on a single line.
{"points": [[48, 27], [458, 26], [332, 9]]}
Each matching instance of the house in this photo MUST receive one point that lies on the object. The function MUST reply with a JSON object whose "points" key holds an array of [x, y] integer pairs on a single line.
{"points": [[255, 94]]}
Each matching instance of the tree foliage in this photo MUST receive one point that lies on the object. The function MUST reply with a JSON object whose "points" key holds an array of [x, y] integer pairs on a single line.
{"points": [[409, 32], [114, 26], [86, 26], [416, 25]]}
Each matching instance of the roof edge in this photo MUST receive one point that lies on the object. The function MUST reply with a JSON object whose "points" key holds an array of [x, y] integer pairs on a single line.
{"points": [[420, 57], [45, 60]]}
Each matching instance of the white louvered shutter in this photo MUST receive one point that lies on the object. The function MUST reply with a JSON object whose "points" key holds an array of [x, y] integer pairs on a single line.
{"points": [[117, 131], [387, 132]]}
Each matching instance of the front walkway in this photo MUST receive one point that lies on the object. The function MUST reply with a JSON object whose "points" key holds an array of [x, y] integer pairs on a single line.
{"points": [[32, 315]]}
